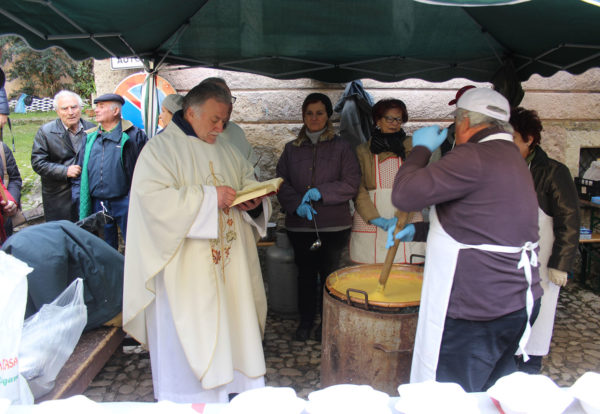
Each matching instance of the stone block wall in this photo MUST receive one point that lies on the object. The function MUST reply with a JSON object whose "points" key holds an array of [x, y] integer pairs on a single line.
{"points": [[269, 110]]}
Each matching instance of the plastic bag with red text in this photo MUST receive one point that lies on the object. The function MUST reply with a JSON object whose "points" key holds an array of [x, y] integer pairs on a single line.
{"points": [[13, 297]]}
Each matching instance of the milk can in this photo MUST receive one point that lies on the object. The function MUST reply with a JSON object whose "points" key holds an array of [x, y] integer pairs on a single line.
{"points": [[282, 276]]}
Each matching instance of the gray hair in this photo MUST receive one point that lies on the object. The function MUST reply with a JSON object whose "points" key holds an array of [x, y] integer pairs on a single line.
{"points": [[117, 105], [476, 119], [63, 94], [215, 79], [202, 92]]}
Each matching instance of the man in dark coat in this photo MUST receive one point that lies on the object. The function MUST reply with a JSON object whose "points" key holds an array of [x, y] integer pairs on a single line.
{"points": [[54, 153], [60, 252]]}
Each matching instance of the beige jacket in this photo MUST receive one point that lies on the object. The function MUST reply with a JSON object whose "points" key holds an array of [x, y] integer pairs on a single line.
{"points": [[363, 204]]}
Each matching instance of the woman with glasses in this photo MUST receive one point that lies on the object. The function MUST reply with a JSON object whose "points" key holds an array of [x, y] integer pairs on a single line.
{"points": [[380, 158]]}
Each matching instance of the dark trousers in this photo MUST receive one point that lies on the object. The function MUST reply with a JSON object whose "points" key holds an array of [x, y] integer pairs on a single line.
{"points": [[475, 354], [312, 264], [117, 208]]}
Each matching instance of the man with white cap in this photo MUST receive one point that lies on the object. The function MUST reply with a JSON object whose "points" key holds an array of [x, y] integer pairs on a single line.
{"points": [[481, 285], [449, 143]]}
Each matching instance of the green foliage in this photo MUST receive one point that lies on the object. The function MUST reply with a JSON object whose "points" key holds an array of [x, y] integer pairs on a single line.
{"points": [[83, 79], [47, 72], [24, 128]]}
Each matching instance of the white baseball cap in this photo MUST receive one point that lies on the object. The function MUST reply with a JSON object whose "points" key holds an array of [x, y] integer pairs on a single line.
{"points": [[485, 101]]}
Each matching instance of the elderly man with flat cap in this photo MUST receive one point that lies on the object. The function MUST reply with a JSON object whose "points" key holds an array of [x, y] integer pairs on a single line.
{"points": [[481, 285], [107, 161]]}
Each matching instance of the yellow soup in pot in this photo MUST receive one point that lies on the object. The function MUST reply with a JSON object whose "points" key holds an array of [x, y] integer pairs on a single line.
{"points": [[401, 287]]}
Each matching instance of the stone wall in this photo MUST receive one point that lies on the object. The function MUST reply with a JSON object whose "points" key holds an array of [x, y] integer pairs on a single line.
{"points": [[269, 110]]}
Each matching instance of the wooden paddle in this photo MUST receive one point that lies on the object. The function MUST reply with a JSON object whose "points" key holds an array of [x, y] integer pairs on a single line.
{"points": [[403, 219]]}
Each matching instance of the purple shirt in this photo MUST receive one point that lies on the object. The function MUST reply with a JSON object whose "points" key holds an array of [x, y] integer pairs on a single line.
{"points": [[484, 194]]}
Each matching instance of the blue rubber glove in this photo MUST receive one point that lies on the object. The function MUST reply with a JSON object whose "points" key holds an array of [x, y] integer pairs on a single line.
{"points": [[305, 211], [385, 224], [407, 234], [313, 194], [430, 137]]}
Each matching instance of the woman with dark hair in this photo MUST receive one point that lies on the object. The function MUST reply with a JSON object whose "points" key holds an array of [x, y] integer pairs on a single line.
{"points": [[559, 229], [321, 176], [380, 158]]}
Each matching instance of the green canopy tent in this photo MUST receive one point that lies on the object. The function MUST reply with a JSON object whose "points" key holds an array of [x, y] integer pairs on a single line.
{"points": [[327, 40]]}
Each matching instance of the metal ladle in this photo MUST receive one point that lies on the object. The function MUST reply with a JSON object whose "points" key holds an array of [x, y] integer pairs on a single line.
{"points": [[317, 243]]}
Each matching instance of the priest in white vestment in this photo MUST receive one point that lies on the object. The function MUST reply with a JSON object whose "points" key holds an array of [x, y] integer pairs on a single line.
{"points": [[193, 289]]}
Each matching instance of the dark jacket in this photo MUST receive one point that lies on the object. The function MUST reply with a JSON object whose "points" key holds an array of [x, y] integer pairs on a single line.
{"points": [[51, 155], [330, 166], [14, 183], [4, 110], [131, 148], [60, 252], [557, 197], [354, 107], [484, 194], [14, 176]]}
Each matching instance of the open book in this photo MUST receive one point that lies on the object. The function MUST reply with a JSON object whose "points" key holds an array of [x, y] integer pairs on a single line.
{"points": [[258, 190]]}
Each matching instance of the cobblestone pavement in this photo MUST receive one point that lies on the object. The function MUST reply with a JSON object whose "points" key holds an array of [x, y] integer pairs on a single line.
{"points": [[575, 350]]}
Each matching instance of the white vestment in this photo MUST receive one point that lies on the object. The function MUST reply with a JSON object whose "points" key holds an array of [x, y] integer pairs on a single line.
{"points": [[210, 283]]}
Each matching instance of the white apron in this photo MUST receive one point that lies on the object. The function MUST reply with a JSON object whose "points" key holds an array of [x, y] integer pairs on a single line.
{"points": [[442, 254], [367, 241], [541, 331]]}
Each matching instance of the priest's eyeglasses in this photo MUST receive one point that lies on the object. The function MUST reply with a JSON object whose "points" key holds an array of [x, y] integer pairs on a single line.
{"points": [[233, 99]]}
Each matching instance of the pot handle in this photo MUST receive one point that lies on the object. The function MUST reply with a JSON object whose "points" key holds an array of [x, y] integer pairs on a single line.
{"points": [[416, 255], [349, 301], [385, 349]]}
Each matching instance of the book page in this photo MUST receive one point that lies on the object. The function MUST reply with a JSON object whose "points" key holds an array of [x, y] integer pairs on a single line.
{"points": [[257, 190]]}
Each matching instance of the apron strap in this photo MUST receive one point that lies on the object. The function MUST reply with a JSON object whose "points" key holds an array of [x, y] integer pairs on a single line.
{"points": [[525, 263]]}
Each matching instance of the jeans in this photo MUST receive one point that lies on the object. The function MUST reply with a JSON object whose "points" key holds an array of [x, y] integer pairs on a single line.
{"points": [[117, 208], [475, 354]]}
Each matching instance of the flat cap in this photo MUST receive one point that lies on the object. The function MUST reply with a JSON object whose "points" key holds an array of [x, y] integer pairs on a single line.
{"points": [[110, 97]]}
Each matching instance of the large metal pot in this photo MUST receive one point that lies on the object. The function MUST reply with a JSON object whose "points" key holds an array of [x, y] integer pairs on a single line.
{"points": [[369, 342]]}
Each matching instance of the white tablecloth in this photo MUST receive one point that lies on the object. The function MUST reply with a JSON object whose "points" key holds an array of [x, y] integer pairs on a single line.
{"points": [[485, 405]]}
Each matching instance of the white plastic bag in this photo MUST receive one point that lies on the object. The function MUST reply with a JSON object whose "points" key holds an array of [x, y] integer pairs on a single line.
{"points": [[49, 337], [13, 297]]}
